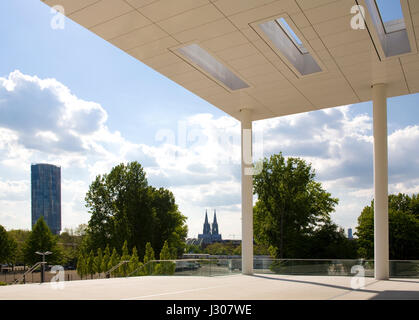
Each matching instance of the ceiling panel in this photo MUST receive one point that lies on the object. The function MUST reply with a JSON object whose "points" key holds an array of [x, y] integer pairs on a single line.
{"points": [[151, 31]]}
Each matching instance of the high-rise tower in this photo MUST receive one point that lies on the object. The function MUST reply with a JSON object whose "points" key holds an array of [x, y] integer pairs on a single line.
{"points": [[46, 195]]}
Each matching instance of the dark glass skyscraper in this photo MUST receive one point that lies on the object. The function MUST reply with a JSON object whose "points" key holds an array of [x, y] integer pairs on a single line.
{"points": [[46, 195]]}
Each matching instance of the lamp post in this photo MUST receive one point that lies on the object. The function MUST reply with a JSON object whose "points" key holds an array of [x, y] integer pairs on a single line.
{"points": [[43, 254]]}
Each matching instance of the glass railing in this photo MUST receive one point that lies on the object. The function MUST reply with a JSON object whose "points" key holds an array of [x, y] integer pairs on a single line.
{"points": [[189, 267], [209, 267], [334, 267], [315, 267], [404, 268]]}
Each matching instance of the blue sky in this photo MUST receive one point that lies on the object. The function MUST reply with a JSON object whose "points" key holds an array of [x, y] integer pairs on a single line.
{"points": [[70, 98], [390, 9]]}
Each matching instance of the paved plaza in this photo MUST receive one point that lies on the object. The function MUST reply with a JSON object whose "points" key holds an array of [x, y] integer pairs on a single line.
{"points": [[232, 287]]}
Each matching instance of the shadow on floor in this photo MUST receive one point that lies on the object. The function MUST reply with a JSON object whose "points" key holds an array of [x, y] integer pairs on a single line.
{"points": [[319, 284], [396, 295], [407, 281]]}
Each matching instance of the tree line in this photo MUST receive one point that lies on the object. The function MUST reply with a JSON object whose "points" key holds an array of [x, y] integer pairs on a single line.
{"points": [[292, 219], [91, 264], [124, 212], [123, 209]]}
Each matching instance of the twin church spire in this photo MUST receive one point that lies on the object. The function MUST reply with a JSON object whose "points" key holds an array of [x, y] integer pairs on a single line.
{"points": [[210, 232], [213, 230]]}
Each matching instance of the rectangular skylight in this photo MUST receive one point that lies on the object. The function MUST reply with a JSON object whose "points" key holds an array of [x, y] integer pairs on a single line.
{"points": [[390, 10], [389, 23], [286, 41], [391, 14], [212, 66], [291, 34]]}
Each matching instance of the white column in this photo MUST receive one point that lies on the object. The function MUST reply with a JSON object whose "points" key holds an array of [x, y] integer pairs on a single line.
{"points": [[247, 192], [381, 242]]}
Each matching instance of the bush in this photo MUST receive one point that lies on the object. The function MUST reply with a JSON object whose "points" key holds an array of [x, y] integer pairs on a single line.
{"points": [[3, 283]]}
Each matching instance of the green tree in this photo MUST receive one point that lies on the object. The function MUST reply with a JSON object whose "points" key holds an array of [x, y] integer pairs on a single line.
{"points": [[123, 269], [330, 242], [135, 264], [403, 215], [258, 249], [41, 239], [148, 257], [20, 237], [105, 266], [69, 242], [218, 248], [90, 264], [165, 267], [8, 247], [365, 232], [114, 260], [193, 248], [124, 207], [169, 224], [97, 263], [81, 265], [290, 205]]}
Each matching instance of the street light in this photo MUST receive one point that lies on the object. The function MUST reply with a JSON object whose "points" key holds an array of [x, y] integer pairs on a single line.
{"points": [[43, 254]]}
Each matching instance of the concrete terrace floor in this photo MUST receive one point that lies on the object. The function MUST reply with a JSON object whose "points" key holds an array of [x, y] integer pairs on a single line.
{"points": [[232, 287]]}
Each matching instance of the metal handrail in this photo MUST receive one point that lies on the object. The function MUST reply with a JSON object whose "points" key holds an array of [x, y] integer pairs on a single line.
{"points": [[30, 270], [108, 273]]}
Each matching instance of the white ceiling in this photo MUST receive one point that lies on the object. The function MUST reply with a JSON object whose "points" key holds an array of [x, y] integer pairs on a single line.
{"points": [[150, 29]]}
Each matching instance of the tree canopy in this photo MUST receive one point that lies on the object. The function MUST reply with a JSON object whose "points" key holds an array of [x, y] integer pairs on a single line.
{"points": [[41, 239], [403, 215], [291, 208], [124, 207], [8, 246]]}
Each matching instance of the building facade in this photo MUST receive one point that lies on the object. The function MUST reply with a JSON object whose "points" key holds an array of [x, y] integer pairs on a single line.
{"points": [[210, 234], [46, 195]]}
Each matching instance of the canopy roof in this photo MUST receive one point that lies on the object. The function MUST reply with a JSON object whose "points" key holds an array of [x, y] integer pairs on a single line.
{"points": [[275, 57]]}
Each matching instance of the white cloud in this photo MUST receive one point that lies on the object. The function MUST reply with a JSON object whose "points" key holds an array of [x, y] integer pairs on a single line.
{"points": [[42, 121]]}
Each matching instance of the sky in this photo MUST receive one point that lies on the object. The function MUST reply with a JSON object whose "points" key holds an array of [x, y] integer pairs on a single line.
{"points": [[69, 98]]}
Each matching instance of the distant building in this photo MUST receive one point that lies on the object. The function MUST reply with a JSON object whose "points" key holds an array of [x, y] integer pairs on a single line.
{"points": [[210, 234], [46, 195], [350, 236]]}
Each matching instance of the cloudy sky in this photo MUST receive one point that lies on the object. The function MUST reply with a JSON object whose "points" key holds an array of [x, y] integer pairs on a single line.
{"points": [[69, 98]]}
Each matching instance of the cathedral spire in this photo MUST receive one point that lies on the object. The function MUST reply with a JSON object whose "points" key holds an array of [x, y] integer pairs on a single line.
{"points": [[214, 229], [207, 228]]}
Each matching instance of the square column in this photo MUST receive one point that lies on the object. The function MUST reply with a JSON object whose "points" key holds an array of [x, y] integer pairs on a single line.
{"points": [[247, 191], [381, 237]]}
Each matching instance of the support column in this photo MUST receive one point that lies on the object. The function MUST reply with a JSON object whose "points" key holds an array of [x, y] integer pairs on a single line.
{"points": [[247, 192], [381, 239]]}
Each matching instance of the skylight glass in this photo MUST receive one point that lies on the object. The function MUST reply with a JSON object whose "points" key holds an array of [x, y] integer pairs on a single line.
{"points": [[289, 30], [289, 45], [390, 26], [390, 10], [391, 14], [213, 67]]}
